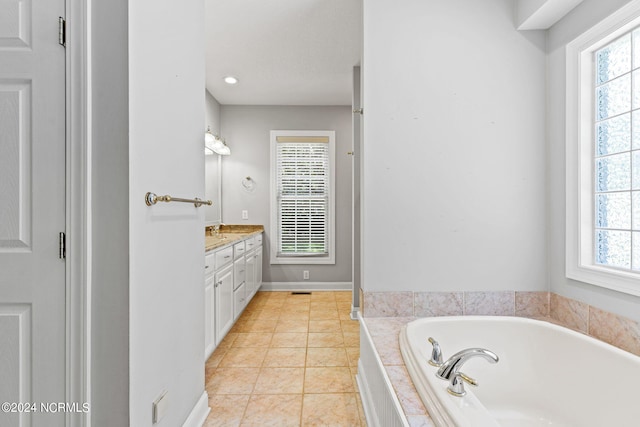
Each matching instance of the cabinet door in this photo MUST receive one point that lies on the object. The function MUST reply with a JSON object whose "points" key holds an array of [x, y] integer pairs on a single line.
{"points": [[223, 302], [209, 321], [251, 275], [239, 301], [258, 268], [240, 272]]}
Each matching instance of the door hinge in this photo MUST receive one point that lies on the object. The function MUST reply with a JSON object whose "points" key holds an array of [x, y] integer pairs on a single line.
{"points": [[62, 31], [62, 245]]}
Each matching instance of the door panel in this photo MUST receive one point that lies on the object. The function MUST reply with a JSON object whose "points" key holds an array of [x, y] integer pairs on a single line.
{"points": [[32, 210], [15, 25], [15, 165]]}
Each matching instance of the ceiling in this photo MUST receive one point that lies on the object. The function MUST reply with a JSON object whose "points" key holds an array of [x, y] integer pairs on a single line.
{"points": [[284, 52]]}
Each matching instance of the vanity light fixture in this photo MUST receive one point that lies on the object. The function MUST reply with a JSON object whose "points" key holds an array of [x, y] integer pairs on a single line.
{"points": [[215, 144], [209, 139], [230, 80], [220, 147]]}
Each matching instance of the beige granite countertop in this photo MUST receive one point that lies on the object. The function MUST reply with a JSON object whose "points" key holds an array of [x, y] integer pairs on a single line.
{"points": [[228, 235]]}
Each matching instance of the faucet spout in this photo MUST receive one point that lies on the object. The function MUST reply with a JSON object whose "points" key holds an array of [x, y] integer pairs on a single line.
{"points": [[451, 367]]}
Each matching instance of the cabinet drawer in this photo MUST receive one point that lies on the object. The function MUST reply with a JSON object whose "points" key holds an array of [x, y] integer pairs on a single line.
{"points": [[250, 243], [258, 240], [238, 250], [209, 264], [223, 257]]}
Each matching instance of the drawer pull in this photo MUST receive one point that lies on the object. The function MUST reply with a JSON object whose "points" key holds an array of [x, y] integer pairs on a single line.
{"points": [[227, 256]]}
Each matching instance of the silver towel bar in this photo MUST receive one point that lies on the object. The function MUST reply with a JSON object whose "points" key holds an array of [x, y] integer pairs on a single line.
{"points": [[151, 199]]}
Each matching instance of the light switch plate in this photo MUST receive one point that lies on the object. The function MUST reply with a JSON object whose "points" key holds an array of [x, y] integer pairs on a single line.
{"points": [[245, 214]]}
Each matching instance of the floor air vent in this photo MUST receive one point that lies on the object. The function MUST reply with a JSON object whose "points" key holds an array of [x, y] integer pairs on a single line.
{"points": [[300, 293]]}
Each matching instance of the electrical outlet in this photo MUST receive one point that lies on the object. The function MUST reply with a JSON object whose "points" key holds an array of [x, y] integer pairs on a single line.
{"points": [[305, 275], [245, 214]]}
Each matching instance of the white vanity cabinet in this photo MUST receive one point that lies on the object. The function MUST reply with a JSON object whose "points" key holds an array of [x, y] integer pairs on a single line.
{"points": [[233, 274]]}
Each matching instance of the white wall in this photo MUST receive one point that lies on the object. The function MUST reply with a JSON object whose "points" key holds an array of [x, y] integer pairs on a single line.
{"points": [[583, 17], [166, 306], [454, 148], [246, 129]]}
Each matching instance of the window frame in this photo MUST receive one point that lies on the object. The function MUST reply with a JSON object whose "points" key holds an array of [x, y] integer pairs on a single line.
{"points": [[580, 182], [330, 258]]}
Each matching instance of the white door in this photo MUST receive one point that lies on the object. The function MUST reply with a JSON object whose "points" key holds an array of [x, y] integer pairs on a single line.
{"points": [[32, 211]]}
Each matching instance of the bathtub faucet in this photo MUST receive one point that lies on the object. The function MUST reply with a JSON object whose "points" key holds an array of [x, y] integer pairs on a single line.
{"points": [[450, 370], [436, 353]]}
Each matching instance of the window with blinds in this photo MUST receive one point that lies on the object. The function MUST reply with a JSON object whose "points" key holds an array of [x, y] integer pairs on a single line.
{"points": [[303, 194]]}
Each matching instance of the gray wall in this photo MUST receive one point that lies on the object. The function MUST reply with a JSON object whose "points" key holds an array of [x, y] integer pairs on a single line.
{"points": [[454, 135], [246, 129], [110, 225], [212, 113], [357, 212], [587, 14]]}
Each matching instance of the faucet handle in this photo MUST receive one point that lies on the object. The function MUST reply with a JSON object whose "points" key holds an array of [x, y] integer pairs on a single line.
{"points": [[456, 385], [436, 354]]}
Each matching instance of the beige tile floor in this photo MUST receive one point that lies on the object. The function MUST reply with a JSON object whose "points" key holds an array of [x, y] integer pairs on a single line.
{"points": [[290, 360]]}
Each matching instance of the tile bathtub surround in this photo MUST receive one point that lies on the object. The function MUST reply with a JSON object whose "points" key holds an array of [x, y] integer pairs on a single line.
{"points": [[290, 360], [615, 330], [489, 303], [387, 304], [532, 304], [569, 312], [429, 304], [608, 327], [384, 331]]}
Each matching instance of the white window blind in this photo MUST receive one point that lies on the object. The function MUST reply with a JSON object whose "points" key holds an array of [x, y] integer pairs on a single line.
{"points": [[303, 195]]}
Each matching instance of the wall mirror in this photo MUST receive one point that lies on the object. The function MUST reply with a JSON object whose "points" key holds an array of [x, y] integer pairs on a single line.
{"points": [[213, 188]]}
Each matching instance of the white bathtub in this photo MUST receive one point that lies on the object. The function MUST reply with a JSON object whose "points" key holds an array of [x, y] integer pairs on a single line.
{"points": [[547, 375]]}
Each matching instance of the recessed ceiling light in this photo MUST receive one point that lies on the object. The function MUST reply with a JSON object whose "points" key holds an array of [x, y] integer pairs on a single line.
{"points": [[230, 80]]}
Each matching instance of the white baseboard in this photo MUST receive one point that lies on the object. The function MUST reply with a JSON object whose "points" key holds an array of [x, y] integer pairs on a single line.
{"points": [[306, 286], [354, 313], [199, 413]]}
